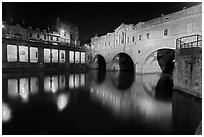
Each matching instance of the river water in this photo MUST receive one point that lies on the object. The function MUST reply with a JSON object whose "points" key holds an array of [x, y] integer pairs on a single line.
{"points": [[96, 102]]}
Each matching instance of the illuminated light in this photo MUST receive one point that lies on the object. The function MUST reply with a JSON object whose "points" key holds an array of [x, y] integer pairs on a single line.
{"points": [[82, 80], [33, 85], [6, 112], [24, 89], [62, 101], [54, 44], [92, 90], [13, 88], [62, 31], [62, 82], [54, 84], [174, 60], [71, 81], [3, 26], [76, 80], [47, 84]]}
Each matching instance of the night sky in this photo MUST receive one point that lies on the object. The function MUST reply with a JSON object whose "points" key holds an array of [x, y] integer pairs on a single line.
{"points": [[91, 18]]}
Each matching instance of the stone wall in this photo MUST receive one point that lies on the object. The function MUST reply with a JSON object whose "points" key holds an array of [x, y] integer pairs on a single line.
{"points": [[188, 70]]}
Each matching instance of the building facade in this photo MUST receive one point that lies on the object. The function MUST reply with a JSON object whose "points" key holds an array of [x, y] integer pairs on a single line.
{"points": [[28, 48], [143, 40]]}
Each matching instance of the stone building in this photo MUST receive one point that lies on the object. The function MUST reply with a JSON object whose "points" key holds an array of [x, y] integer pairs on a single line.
{"points": [[141, 42]]}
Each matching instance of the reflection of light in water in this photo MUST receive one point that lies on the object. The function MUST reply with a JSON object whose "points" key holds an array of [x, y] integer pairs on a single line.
{"points": [[82, 82], [33, 85], [71, 81], [24, 89], [12, 88], [47, 84], [76, 80], [62, 82], [54, 84], [51, 84], [6, 112], [62, 101]]}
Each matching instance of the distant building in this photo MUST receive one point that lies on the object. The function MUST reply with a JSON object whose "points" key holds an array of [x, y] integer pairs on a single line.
{"points": [[25, 47]]}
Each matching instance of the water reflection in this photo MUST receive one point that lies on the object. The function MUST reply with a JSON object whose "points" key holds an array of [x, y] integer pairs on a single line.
{"points": [[107, 101], [21, 87], [135, 100], [24, 89], [122, 80], [6, 112], [13, 88], [62, 101]]}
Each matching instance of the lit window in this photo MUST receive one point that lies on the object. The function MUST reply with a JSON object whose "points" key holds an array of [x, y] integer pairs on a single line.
{"points": [[165, 32], [82, 57], [71, 56], [62, 56], [147, 35], [11, 53], [140, 37], [77, 57], [47, 55], [23, 54], [54, 55], [33, 54]]}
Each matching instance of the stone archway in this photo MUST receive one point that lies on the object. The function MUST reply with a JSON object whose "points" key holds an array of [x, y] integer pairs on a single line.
{"points": [[162, 59], [122, 62], [99, 62]]}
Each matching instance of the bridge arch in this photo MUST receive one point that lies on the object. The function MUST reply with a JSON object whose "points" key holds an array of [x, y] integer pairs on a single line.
{"points": [[123, 62], [99, 62], [162, 58]]}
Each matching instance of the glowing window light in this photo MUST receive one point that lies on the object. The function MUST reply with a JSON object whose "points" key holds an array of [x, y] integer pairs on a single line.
{"points": [[71, 56], [77, 57], [6, 113]]}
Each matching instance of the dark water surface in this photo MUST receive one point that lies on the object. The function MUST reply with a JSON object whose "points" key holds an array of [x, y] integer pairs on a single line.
{"points": [[97, 103]]}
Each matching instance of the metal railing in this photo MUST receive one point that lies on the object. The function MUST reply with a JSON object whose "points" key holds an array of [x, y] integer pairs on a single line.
{"points": [[189, 41]]}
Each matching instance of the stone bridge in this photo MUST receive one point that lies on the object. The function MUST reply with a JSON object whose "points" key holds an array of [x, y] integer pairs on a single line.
{"points": [[147, 47]]}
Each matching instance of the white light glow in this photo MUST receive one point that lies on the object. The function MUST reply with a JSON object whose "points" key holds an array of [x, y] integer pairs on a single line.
{"points": [[62, 101], [6, 112]]}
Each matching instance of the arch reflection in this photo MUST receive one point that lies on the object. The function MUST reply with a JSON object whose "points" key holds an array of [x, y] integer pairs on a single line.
{"points": [[122, 80], [137, 102]]}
